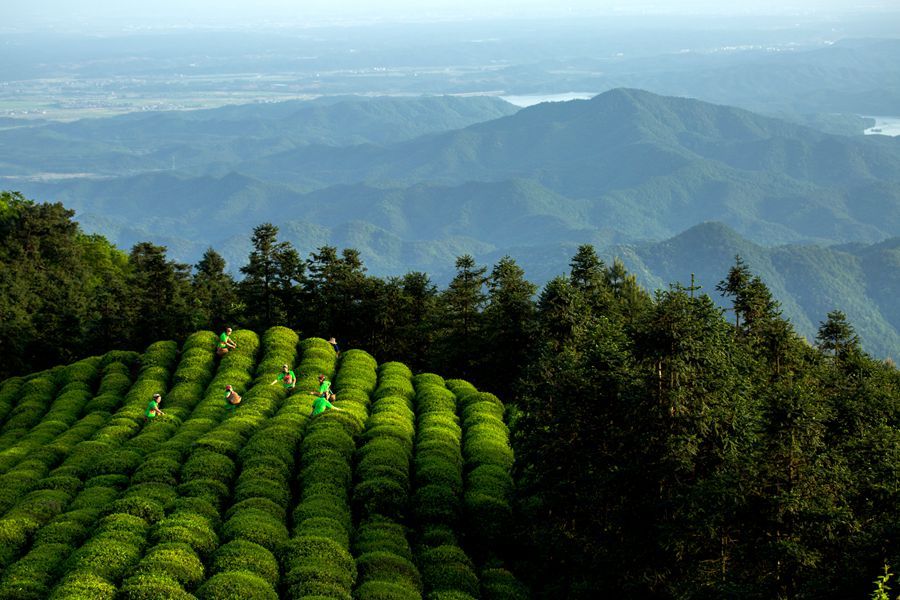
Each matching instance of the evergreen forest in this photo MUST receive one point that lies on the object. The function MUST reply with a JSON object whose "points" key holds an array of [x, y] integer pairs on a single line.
{"points": [[587, 439]]}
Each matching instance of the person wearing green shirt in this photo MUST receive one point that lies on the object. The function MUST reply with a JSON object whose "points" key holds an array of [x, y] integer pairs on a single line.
{"points": [[287, 378], [153, 408], [320, 404], [225, 342], [232, 399], [324, 389]]}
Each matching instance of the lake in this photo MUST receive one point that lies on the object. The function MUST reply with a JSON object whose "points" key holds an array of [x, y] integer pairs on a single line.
{"points": [[524, 101], [885, 126]]}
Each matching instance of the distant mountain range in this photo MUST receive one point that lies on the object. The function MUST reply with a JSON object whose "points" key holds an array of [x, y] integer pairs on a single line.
{"points": [[213, 141], [413, 183]]}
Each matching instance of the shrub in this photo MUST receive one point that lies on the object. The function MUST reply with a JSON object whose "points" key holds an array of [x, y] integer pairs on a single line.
{"points": [[256, 526], [382, 534], [28, 578], [315, 590], [265, 505], [146, 508], [115, 462], [381, 496], [114, 480], [211, 490], [449, 595], [327, 466], [396, 428], [436, 504], [222, 442], [387, 566], [460, 388], [95, 496], [440, 421], [159, 469], [242, 555], [386, 590], [327, 435], [123, 527], [200, 507], [489, 451], [432, 452], [152, 586], [500, 584], [447, 568], [105, 556], [484, 411], [80, 586], [257, 487], [206, 464], [14, 533], [438, 535], [105, 402], [162, 493], [188, 528], [126, 358], [327, 527], [61, 532], [308, 550], [175, 561], [490, 517], [236, 585], [63, 483], [394, 368], [322, 506]]}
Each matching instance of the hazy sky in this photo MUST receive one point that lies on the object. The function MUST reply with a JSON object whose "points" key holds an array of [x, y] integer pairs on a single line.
{"points": [[30, 13]]}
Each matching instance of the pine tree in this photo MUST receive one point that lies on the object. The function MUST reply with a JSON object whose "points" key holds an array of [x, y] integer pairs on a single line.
{"points": [[334, 291], [268, 288], [509, 324], [460, 344], [214, 292], [837, 336]]}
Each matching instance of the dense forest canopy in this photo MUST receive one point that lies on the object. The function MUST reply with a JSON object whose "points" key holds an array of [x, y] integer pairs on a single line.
{"points": [[664, 447]]}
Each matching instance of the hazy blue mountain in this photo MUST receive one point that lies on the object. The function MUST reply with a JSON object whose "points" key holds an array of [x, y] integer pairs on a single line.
{"points": [[210, 141], [809, 281], [650, 164], [854, 76], [619, 171]]}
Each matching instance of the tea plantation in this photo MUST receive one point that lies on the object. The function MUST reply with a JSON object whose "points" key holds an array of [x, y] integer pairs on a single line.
{"points": [[404, 494]]}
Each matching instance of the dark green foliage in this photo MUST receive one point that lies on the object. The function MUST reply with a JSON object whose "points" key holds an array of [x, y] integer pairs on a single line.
{"points": [[236, 585], [500, 584], [388, 566], [206, 464], [28, 578], [242, 555], [382, 534], [175, 561], [187, 528], [436, 504], [264, 505], [254, 525], [447, 569], [333, 525], [152, 586], [381, 496], [307, 574], [274, 267], [78, 586], [385, 590]]}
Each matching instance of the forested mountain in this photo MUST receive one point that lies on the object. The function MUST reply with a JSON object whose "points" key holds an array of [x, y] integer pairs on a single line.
{"points": [[809, 281], [650, 445], [650, 166], [213, 140], [621, 171]]}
